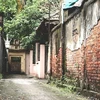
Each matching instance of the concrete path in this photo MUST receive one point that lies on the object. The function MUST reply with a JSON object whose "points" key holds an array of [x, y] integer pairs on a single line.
{"points": [[19, 87]]}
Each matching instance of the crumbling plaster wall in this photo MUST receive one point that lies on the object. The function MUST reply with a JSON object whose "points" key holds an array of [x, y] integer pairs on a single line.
{"points": [[82, 33], [83, 22], [82, 39]]}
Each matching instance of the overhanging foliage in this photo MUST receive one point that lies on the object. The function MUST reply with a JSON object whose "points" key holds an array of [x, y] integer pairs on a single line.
{"points": [[22, 25]]}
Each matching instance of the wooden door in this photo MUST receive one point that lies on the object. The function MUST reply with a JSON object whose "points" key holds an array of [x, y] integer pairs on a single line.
{"points": [[15, 66]]}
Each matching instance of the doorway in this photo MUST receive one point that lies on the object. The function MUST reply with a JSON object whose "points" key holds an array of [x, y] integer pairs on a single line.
{"points": [[15, 65]]}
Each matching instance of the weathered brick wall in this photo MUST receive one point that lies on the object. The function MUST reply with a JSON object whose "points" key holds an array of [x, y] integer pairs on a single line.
{"points": [[82, 41], [85, 62], [82, 46], [57, 64], [56, 57], [92, 52], [74, 63]]}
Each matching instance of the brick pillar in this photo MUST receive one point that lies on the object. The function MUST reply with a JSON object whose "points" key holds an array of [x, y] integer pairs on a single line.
{"points": [[27, 63]]}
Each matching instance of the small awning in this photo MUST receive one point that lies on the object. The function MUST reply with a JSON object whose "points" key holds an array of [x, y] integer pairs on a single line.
{"points": [[72, 3]]}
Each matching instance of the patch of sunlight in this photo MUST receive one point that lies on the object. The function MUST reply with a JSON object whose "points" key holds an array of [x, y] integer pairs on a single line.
{"points": [[22, 81]]}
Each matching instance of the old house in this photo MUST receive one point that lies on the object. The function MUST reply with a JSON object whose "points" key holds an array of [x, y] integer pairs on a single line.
{"points": [[41, 56], [75, 45]]}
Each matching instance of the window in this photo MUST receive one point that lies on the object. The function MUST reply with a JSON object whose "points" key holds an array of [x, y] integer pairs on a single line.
{"points": [[15, 59], [57, 43], [34, 52], [71, 10], [75, 37], [38, 52]]}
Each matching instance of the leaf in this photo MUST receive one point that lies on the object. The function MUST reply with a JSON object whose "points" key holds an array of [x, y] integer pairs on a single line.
{"points": [[22, 25]]}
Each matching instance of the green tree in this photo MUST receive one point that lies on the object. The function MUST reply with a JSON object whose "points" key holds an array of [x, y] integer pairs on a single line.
{"points": [[8, 7], [22, 25]]}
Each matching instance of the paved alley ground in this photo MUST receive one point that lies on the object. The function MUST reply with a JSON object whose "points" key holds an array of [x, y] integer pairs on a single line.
{"points": [[20, 87]]}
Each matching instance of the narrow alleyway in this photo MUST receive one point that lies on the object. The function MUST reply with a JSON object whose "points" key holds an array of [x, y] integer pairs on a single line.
{"points": [[20, 87]]}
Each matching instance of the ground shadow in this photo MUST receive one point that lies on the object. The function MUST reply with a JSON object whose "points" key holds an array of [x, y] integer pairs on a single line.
{"points": [[15, 75]]}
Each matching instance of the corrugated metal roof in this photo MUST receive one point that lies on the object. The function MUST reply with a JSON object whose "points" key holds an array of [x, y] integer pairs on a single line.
{"points": [[72, 3]]}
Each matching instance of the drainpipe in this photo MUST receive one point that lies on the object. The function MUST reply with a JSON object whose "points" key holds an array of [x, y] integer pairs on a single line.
{"points": [[84, 73], [63, 45], [63, 52], [50, 41]]}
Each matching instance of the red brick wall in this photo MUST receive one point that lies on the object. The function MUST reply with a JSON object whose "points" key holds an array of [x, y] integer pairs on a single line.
{"points": [[86, 60], [83, 62], [73, 63], [93, 58], [56, 64]]}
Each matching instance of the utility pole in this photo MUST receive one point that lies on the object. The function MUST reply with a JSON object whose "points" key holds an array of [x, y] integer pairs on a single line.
{"points": [[50, 44], [63, 44]]}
